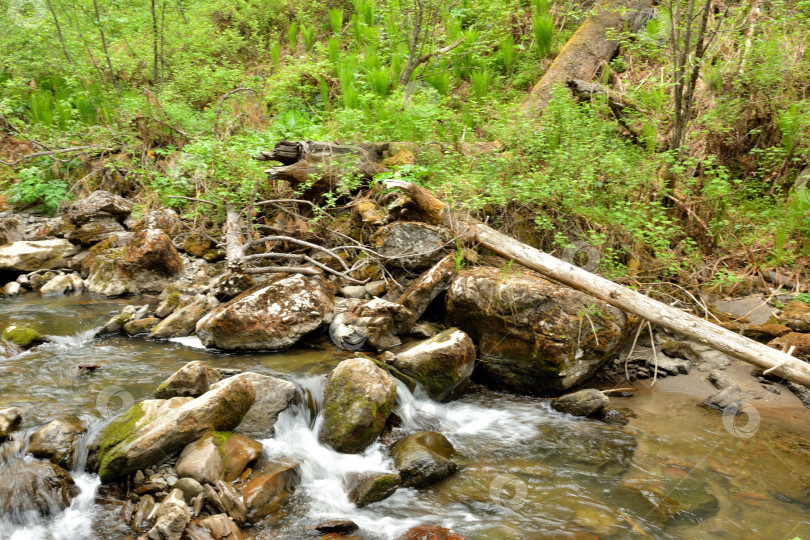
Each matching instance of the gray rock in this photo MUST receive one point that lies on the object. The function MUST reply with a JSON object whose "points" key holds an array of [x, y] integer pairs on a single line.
{"points": [[192, 380], [145, 264], [419, 294], [37, 487], [358, 398], [442, 364], [533, 336], [273, 315], [202, 461], [10, 420], [272, 396], [62, 284], [172, 517], [11, 289], [376, 288], [231, 285], [99, 206], [36, 255], [184, 320], [354, 291], [56, 441], [140, 326], [154, 429], [423, 458], [581, 403], [368, 488], [411, 245], [729, 394], [94, 232]]}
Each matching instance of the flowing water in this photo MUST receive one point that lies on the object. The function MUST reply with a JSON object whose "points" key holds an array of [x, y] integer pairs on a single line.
{"points": [[525, 471]]}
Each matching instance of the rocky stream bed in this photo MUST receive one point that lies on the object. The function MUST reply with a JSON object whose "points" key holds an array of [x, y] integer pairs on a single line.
{"points": [[153, 392]]}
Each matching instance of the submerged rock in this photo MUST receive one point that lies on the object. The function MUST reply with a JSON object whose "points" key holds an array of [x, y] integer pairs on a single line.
{"points": [[265, 495], [671, 500], [36, 255], [358, 399], [154, 429], [272, 396], [595, 447], [56, 441], [192, 380], [429, 532], [533, 336], [442, 364], [146, 264], [273, 315], [37, 487], [368, 488], [423, 458], [581, 403]]}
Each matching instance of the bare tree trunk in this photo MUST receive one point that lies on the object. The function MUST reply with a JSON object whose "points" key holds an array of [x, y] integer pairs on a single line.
{"points": [[628, 300], [588, 49], [154, 44]]}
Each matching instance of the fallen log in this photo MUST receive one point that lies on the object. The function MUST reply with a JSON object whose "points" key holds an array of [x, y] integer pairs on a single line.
{"points": [[589, 48], [628, 300]]}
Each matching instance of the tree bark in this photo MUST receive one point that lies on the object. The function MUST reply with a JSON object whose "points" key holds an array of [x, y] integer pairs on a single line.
{"points": [[676, 320], [589, 48]]}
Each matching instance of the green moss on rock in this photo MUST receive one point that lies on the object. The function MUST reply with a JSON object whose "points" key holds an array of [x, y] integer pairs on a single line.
{"points": [[22, 336], [120, 431]]}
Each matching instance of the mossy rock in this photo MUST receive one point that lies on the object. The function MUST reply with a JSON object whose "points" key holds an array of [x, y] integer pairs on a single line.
{"points": [[22, 336]]}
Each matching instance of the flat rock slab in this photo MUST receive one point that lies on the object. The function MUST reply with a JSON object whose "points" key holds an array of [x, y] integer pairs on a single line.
{"points": [[752, 308], [36, 255]]}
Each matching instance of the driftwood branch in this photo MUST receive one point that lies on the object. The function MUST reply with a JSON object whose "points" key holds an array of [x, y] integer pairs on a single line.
{"points": [[628, 300], [53, 152], [222, 101]]}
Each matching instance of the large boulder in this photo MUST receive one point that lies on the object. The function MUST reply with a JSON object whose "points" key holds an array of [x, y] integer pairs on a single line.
{"points": [[533, 336], [145, 264], [37, 487], [272, 396], [442, 364], [358, 399], [270, 316], [36, 255], [411, 245], [192, 380], [264, 495], [56, 441], [154, 429], [99, 206], [423, 458], [183, 321]]}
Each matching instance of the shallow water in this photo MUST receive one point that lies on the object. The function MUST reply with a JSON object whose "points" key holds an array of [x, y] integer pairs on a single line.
{"points": [[526, 471]]}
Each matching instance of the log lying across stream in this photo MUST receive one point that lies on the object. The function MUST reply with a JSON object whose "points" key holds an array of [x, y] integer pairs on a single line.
{"points": [[628, 300]]}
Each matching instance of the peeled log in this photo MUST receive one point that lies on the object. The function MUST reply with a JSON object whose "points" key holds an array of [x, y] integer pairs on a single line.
{"points": [[628, 300], [589, 48]]}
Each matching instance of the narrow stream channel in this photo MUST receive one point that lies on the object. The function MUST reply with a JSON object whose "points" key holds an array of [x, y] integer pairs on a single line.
{"points": [[525, 471]]}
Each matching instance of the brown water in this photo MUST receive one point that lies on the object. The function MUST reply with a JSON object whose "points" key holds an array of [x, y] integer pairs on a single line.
{"points": [[525, 470]]}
